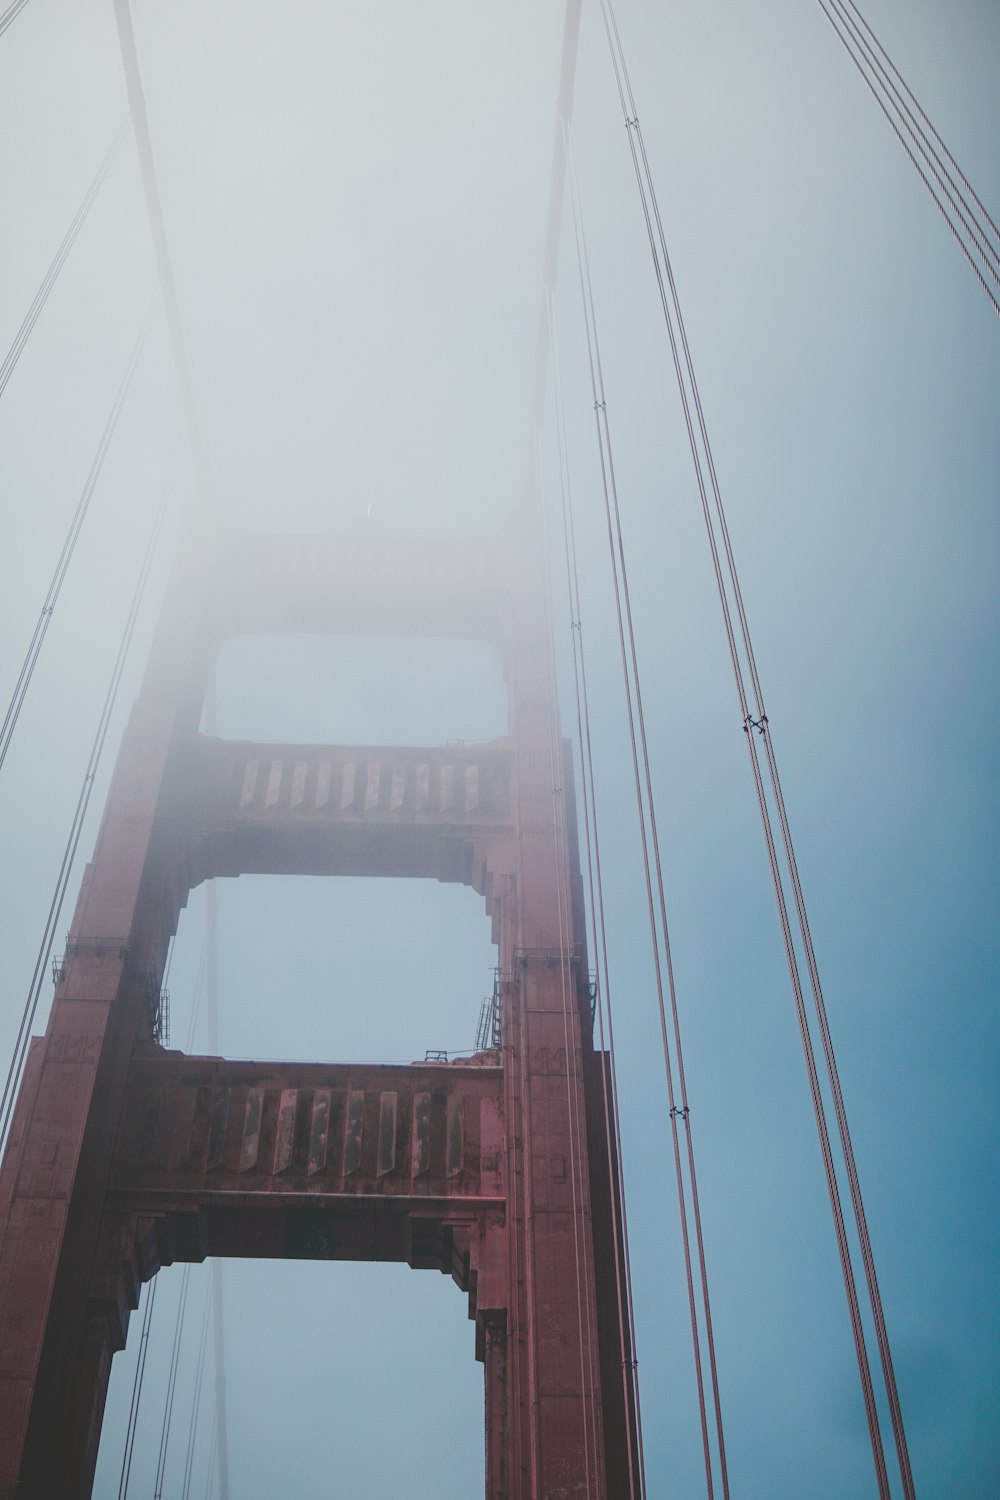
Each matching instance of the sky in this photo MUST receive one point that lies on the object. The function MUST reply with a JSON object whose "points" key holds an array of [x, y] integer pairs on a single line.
{"points": [[356, 205]]}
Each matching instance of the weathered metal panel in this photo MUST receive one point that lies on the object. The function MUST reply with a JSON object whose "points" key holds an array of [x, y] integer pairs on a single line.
{"points": [[456, 1135], [354, 1130], [250, 1140], [318, 1131], [420, 1138], [285, 1138]]}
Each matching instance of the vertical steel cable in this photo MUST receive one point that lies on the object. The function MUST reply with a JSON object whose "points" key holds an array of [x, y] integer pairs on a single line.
{"points": [[196, 1397], [664, 275], [754, 727], [221, 1427], [914, 148], [140, 1374], [52, 274], [645, 803], [168, 1405], [158, 231], [977, 201], [572, 1074], [10, 15], [609, 1089], [866, 55], [68, 548], [76, 827], [213, 1453], [682, 1110]]}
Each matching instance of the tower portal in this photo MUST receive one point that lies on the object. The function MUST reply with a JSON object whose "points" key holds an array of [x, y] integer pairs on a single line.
{"points": [[125, 1156]]}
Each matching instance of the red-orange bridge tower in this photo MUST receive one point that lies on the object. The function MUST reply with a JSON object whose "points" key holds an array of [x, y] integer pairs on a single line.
{"points": [[125, 1156]]}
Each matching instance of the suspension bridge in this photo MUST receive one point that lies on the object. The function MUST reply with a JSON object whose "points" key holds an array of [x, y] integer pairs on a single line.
{"points": [[347, 321]]}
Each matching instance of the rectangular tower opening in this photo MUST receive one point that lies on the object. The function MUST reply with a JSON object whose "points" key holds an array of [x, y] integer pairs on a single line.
{"points": [[341, 1379], [358, 690], [333, 969]]}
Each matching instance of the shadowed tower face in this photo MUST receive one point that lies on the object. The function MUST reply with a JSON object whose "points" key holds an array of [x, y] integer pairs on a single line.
{"points": [[125, 1156]]}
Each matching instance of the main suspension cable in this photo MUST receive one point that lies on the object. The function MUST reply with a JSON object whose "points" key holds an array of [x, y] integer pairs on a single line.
{"points": [[52, 274], [755, 726], [69, 547], [76, 827]]}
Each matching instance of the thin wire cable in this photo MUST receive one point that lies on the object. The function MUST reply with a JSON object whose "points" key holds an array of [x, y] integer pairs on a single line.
{"points": [[656, 911], [984, 212], [59, 260], [917, 149], [612, 1118], [161, 244], [575, 1126], [140, 1374], [213, 1453], [168, 1407], [663, 272], [68, 548], [196, 1397], [10, 15], [871, 55], [682, 1110], [760, 727], [755, 727], [76, 827]]}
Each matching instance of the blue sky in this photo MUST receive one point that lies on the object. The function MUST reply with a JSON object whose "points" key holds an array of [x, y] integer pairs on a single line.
{"points": [[356, 208]]}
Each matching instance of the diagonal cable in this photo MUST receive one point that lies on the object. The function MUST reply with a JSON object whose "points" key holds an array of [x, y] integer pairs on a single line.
{"points": [[52, 274], [51, 599]]}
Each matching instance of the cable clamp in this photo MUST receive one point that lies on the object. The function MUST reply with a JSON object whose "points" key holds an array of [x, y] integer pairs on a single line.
{"points": [[631, 122], [47, 609], [751, 723], [574, 624], [600, 406], [680, 1112]]}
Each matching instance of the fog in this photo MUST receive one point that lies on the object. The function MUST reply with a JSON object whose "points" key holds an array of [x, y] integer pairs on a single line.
{"points": [[356, 202]]}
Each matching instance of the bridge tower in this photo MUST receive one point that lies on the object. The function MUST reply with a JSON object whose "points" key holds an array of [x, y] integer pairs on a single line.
{"points": [[125, 1156]]}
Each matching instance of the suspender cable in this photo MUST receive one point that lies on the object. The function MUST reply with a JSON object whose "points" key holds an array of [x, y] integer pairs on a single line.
{"points": [[68, 548], [664, 276], [595, 890], [196, 1397], [76, 827], [212, 1455], [968, 221], [158, 230], [576, 1125], [220, 1428], [871, 60], [691, 1230], [755, 727], [51, 276], [168, 1406], [887, 60], [140, 1374], [10, 15]]}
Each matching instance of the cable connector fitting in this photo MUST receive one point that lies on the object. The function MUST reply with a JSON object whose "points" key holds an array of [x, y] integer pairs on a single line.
{"points": [[751, 723]]}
